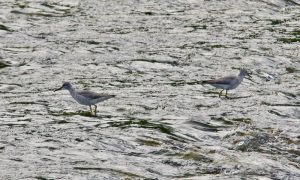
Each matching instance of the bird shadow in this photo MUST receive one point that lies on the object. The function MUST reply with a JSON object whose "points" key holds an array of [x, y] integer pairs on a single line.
{"points": [[64, 113], [225, 97], [232, 98]]}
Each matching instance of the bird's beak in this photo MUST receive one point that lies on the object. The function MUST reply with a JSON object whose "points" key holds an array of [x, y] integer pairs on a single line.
{"points": [[248, 76], [58, 89]]}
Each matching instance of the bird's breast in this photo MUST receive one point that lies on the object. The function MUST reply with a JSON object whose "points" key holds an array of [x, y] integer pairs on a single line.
{"points": [[81, 99]]}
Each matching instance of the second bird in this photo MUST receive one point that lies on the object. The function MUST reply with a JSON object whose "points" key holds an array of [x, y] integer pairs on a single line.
{"points": [[87, 98], [228, 82]]}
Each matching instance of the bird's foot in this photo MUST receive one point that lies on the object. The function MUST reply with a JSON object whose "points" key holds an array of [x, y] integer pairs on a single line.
{"points": [[93, 113]]}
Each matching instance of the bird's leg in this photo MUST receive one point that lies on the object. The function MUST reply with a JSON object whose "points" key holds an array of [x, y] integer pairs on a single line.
{"points": [[91, 110], [95, 109], [220, 94], [226, 94]]}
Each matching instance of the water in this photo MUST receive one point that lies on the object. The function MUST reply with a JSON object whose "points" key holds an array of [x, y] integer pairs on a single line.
{"points": [[163, 123]]}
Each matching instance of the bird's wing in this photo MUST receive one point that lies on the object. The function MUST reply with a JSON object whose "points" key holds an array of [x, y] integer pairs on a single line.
{"points": [[93, 95], [223, 80]]}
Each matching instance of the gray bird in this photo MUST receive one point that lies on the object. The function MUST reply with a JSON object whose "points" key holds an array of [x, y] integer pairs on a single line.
{"points": [[87, 98], [228, 82]]}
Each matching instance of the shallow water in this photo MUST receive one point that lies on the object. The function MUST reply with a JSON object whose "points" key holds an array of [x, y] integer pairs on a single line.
{"points": [[153, 55]]}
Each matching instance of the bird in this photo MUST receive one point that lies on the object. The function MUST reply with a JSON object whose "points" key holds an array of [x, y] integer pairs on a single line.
{"points": [[228, 82], [87, 98]]}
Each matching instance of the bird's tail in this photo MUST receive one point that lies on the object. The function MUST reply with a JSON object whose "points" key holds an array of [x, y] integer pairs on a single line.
{"points": [[205, 82], [108, 97], [112, 96]]}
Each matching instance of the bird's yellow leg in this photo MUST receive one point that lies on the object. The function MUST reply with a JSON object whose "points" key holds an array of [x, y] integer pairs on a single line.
{"points": [[91, 110], [220, 94], [95, 110]]}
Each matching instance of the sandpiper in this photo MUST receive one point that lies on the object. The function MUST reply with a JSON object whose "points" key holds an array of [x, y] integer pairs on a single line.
{"points": [[228, 82], [87, 98]]}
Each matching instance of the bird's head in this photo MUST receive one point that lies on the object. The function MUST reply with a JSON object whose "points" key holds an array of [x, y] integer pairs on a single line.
{"points": [[66, 85]]}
